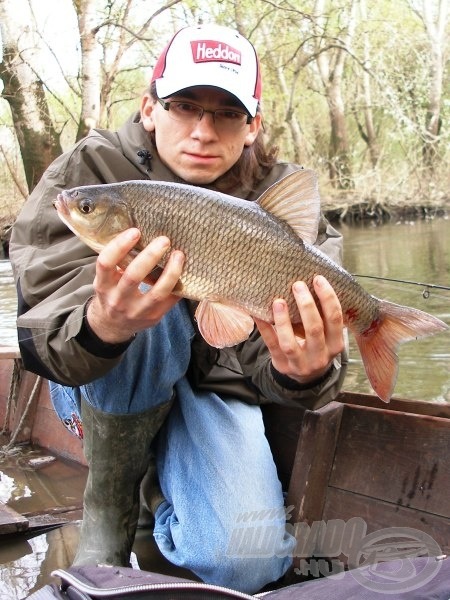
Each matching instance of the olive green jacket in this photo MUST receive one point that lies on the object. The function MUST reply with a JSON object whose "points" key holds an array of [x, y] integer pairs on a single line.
{"points": [[54, 273]]}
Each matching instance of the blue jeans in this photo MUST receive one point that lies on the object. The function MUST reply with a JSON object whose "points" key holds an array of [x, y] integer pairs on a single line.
{"points": [[224, 516]]}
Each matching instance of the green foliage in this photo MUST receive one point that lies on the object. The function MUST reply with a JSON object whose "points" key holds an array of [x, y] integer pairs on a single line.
{"points": [[128, 88]]}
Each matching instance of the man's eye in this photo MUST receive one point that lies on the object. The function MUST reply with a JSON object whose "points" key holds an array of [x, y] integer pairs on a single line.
{"points": [[186, 107], [230, 115]]}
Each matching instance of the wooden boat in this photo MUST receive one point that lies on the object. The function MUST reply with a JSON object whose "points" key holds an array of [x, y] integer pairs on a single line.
{"points": [[381, 469]]}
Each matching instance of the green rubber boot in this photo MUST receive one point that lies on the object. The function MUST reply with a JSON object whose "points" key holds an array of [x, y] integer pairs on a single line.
{"points": [[151, 496], [117, 451]]}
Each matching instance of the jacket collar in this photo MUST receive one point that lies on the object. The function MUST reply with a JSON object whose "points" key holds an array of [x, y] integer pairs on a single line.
{"points": [[138, 149]]}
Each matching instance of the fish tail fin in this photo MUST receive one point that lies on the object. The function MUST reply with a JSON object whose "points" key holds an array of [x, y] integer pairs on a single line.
{"points": [[379, 343]]}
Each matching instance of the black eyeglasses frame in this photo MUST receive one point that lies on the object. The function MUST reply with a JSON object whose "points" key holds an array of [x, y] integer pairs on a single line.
{"points": [[166, 106]]}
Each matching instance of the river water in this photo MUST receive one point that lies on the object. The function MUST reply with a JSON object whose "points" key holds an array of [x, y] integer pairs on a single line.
{"points": [[416, 251]]}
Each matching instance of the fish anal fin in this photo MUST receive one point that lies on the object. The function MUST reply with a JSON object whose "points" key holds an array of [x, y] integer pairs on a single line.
{"points": [[223, 325], [379, 343], [295, 199]]}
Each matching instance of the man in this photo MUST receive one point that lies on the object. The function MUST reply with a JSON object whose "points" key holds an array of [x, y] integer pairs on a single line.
{"points": [[129, 363]]}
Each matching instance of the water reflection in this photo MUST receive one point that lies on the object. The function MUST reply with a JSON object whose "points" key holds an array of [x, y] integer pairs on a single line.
{"points": [[47, 493], [27, 562], [31, 489], [26, 565]]}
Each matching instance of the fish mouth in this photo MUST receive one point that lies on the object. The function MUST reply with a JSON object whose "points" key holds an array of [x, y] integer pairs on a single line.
{"points": [[60, 204]]}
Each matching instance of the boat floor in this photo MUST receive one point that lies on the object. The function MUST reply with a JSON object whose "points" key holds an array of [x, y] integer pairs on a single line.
{"points": [[40, 517]]}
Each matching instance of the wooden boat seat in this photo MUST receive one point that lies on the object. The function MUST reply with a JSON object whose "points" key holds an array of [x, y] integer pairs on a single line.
{"points": [[383, 464]]}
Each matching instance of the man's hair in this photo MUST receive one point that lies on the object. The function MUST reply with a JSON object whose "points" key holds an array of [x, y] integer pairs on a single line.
{"points": [[251, 168]]}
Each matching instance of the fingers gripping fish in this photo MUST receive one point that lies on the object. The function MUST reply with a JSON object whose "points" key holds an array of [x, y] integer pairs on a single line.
{"points": [[241, 255]]}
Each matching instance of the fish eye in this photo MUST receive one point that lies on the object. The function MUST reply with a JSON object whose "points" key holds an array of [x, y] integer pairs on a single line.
{"points": [[86, 206]]}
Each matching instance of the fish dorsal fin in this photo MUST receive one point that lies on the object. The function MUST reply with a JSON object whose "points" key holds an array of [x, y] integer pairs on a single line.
{"points": [[295, 199], [223, 325]]}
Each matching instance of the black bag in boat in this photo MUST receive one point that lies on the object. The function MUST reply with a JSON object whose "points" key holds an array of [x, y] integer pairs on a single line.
{"points": [[407, 579]]}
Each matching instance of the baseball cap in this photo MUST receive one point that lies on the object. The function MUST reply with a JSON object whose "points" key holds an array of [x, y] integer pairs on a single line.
{"points": [[210, 55]]}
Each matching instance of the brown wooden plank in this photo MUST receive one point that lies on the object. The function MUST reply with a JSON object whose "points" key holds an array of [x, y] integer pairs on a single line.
{"points": [[397, 457], [48, 431], [6, 370], [379, 515], [398, 404], [9, 352], [54, 517], [25, 408], [313, 462], [42, 426], [11, 521]]}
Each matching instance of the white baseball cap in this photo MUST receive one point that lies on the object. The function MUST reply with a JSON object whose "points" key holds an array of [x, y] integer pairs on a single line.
{"points": [[210, 55]]}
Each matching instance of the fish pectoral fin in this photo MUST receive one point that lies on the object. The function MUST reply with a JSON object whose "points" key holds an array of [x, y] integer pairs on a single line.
{"points": [[295, 199], [223, 325]]}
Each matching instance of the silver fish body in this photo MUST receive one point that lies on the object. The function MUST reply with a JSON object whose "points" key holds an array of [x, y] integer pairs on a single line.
{"points": [[235, 251]]}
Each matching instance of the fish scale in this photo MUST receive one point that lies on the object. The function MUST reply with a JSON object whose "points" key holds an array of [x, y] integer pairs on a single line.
{"points": [[200, 233], [241, 255], [245, 243]]}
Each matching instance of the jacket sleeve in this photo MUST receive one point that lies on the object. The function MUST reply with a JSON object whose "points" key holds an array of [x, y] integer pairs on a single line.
{"points": [[54, 272], [256, 365]]}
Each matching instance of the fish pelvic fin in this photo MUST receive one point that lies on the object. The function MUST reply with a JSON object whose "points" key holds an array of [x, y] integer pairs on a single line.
{"points": [[223, 325], [379, 343], [295, 199]]}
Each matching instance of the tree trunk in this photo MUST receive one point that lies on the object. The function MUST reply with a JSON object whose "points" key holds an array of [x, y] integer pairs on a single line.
{"points": [[38, 141], [339, 160], [370, 135], [435, 29], [90, 67], [330, 64]]}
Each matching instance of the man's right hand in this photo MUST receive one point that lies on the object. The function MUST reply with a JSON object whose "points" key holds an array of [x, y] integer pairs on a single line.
{"points": [[119, 308]]}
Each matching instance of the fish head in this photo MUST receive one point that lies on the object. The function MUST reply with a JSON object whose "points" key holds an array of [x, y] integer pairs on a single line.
{"points": [[96, 214]]}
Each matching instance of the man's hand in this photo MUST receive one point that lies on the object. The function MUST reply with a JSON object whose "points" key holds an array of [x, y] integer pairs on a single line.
{"points": [[308, 357], [119, 308]]}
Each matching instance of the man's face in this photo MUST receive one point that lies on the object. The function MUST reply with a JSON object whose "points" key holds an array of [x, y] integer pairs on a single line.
{"points": [[198, 151]]}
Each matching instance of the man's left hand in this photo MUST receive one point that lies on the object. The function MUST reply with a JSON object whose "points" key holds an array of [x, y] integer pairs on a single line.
{"points": [[308, 356]]}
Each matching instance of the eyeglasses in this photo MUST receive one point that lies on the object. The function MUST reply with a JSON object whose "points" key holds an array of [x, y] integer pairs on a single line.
{"points": [[224, 118]]}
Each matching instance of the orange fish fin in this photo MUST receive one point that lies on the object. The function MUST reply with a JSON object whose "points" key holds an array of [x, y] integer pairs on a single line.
{"points": [[223, 325], [379, 343], [295, 199]]}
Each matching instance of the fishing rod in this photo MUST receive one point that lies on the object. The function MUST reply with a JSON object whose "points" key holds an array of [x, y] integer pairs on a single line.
{"points": [[427, 286]]}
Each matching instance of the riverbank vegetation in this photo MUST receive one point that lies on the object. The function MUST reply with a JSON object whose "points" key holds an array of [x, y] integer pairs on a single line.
{"points": [[356, 89]]}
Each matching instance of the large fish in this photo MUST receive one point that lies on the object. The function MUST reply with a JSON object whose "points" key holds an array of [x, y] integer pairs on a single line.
{"points": [[241, 255]]}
